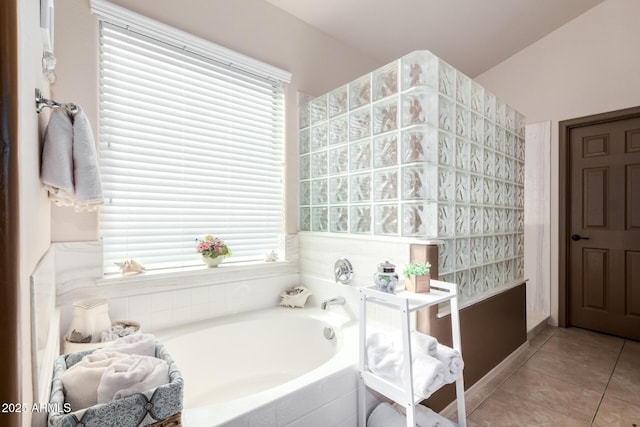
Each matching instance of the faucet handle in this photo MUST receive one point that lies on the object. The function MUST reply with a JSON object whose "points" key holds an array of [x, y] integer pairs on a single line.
{"points": [[343, 271]]}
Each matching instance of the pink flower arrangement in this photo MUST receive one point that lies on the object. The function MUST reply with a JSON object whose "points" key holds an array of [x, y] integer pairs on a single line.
{"points": [[212, 247]]}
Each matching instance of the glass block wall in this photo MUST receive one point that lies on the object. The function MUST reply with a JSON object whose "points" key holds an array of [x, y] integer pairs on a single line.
{"points": [[418, 149]]}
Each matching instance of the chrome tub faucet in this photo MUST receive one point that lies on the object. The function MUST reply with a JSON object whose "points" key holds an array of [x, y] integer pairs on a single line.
{"points": [[332, 301]]}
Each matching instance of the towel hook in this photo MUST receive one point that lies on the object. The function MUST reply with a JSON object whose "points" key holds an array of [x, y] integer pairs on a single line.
{"points": [[42, 103]]}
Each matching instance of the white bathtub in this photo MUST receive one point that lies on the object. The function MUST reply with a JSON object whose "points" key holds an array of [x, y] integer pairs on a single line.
{"points": [[236, 364]]}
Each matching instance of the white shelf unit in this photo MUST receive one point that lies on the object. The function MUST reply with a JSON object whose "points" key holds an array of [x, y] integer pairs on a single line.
{"points": [[406, 302]]}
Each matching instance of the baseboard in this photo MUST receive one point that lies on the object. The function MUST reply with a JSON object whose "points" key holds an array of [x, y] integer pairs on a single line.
{"points": [[451, 410], [536, 329]]}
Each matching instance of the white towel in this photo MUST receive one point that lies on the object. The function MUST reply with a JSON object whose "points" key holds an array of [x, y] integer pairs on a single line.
{"points": [[385, 416], [425, 417], [428, 375], [132, 374], [81, 381], [452, 361], [69, 162], [141, 344], [420, 342], [385, 358]]}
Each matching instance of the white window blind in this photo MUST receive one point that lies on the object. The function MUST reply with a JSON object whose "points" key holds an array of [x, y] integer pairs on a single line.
{"points": [[188, 147]]}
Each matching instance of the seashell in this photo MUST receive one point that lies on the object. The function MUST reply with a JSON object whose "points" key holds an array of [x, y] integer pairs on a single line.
{"points": [[77, 337], [296, 297], [271, 256], [130, 267]]}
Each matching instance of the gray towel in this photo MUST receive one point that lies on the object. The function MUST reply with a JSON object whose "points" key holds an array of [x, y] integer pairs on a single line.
{"points": [[57, 159], [69, 162]]}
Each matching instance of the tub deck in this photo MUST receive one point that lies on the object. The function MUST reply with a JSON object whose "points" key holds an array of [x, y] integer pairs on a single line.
{"points": [[226, 377]]}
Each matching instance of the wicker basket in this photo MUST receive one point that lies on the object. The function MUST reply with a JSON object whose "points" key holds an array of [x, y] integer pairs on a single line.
{"points": [[160, 407], [172, 421]]}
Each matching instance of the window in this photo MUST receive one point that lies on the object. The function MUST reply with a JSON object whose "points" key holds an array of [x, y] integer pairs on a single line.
{"points": [[189, 146]]}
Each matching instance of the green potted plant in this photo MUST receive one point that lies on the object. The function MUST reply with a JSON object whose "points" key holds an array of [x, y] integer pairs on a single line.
{"points": [[417, 275]]}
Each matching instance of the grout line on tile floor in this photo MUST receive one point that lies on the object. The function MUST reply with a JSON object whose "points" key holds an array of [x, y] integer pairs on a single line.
{"points": [[553, 334], [515, 366], [595, 414]]}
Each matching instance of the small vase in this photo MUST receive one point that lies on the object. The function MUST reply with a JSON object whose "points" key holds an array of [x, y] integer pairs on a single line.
{"points": [[418, 284], [212, 262]]}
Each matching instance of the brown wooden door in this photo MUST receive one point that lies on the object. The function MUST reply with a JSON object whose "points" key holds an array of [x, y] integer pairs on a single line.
{"points": [[604, 207]]}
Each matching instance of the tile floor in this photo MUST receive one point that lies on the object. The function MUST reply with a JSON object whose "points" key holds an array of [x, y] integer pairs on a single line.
{"points": [[567, 377]]}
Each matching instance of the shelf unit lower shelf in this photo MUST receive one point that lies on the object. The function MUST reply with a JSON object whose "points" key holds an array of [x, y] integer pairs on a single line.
{"points": [[406, 303]]}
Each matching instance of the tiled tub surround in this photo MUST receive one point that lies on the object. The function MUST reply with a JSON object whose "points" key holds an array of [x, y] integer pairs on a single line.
{"points": [[45, 331], [165, 299], [280, 370], [417, 149], [319, 252], [165, 303]]}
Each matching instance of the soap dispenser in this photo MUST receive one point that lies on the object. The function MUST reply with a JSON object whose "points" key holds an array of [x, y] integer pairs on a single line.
{"points": [[386, 278]]}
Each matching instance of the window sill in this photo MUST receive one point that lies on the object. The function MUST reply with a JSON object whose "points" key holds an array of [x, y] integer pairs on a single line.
{"points": [[117, 286]]}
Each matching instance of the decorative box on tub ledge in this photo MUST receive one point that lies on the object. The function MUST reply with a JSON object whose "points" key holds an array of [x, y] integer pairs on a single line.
{"points": [[159, 407]]}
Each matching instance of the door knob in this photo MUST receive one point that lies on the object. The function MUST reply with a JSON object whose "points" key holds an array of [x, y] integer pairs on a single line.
{"points": [[577, 237]]}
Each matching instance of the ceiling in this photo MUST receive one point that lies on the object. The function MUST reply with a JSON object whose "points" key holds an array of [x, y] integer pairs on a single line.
{"points": [[472, 35]]}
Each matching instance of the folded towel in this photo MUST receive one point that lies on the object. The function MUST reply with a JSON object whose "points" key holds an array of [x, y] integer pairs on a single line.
{"points": [[57, 158], [428, 375], [385, 416], [132, 374], [420, 343], [452, 361], [385, 358], [86, 173], [81, 381], [69, 162], [141, 344], [425, 343], [425, 417]]}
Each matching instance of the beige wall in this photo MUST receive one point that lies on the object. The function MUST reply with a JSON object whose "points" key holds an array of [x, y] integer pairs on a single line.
{"points": [[255, 28], [76, 50], [34, 229], [588, 66]]}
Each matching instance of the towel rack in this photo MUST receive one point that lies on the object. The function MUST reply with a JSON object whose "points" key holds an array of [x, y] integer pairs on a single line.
{"points": [[406, 302], [49, 103]]}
